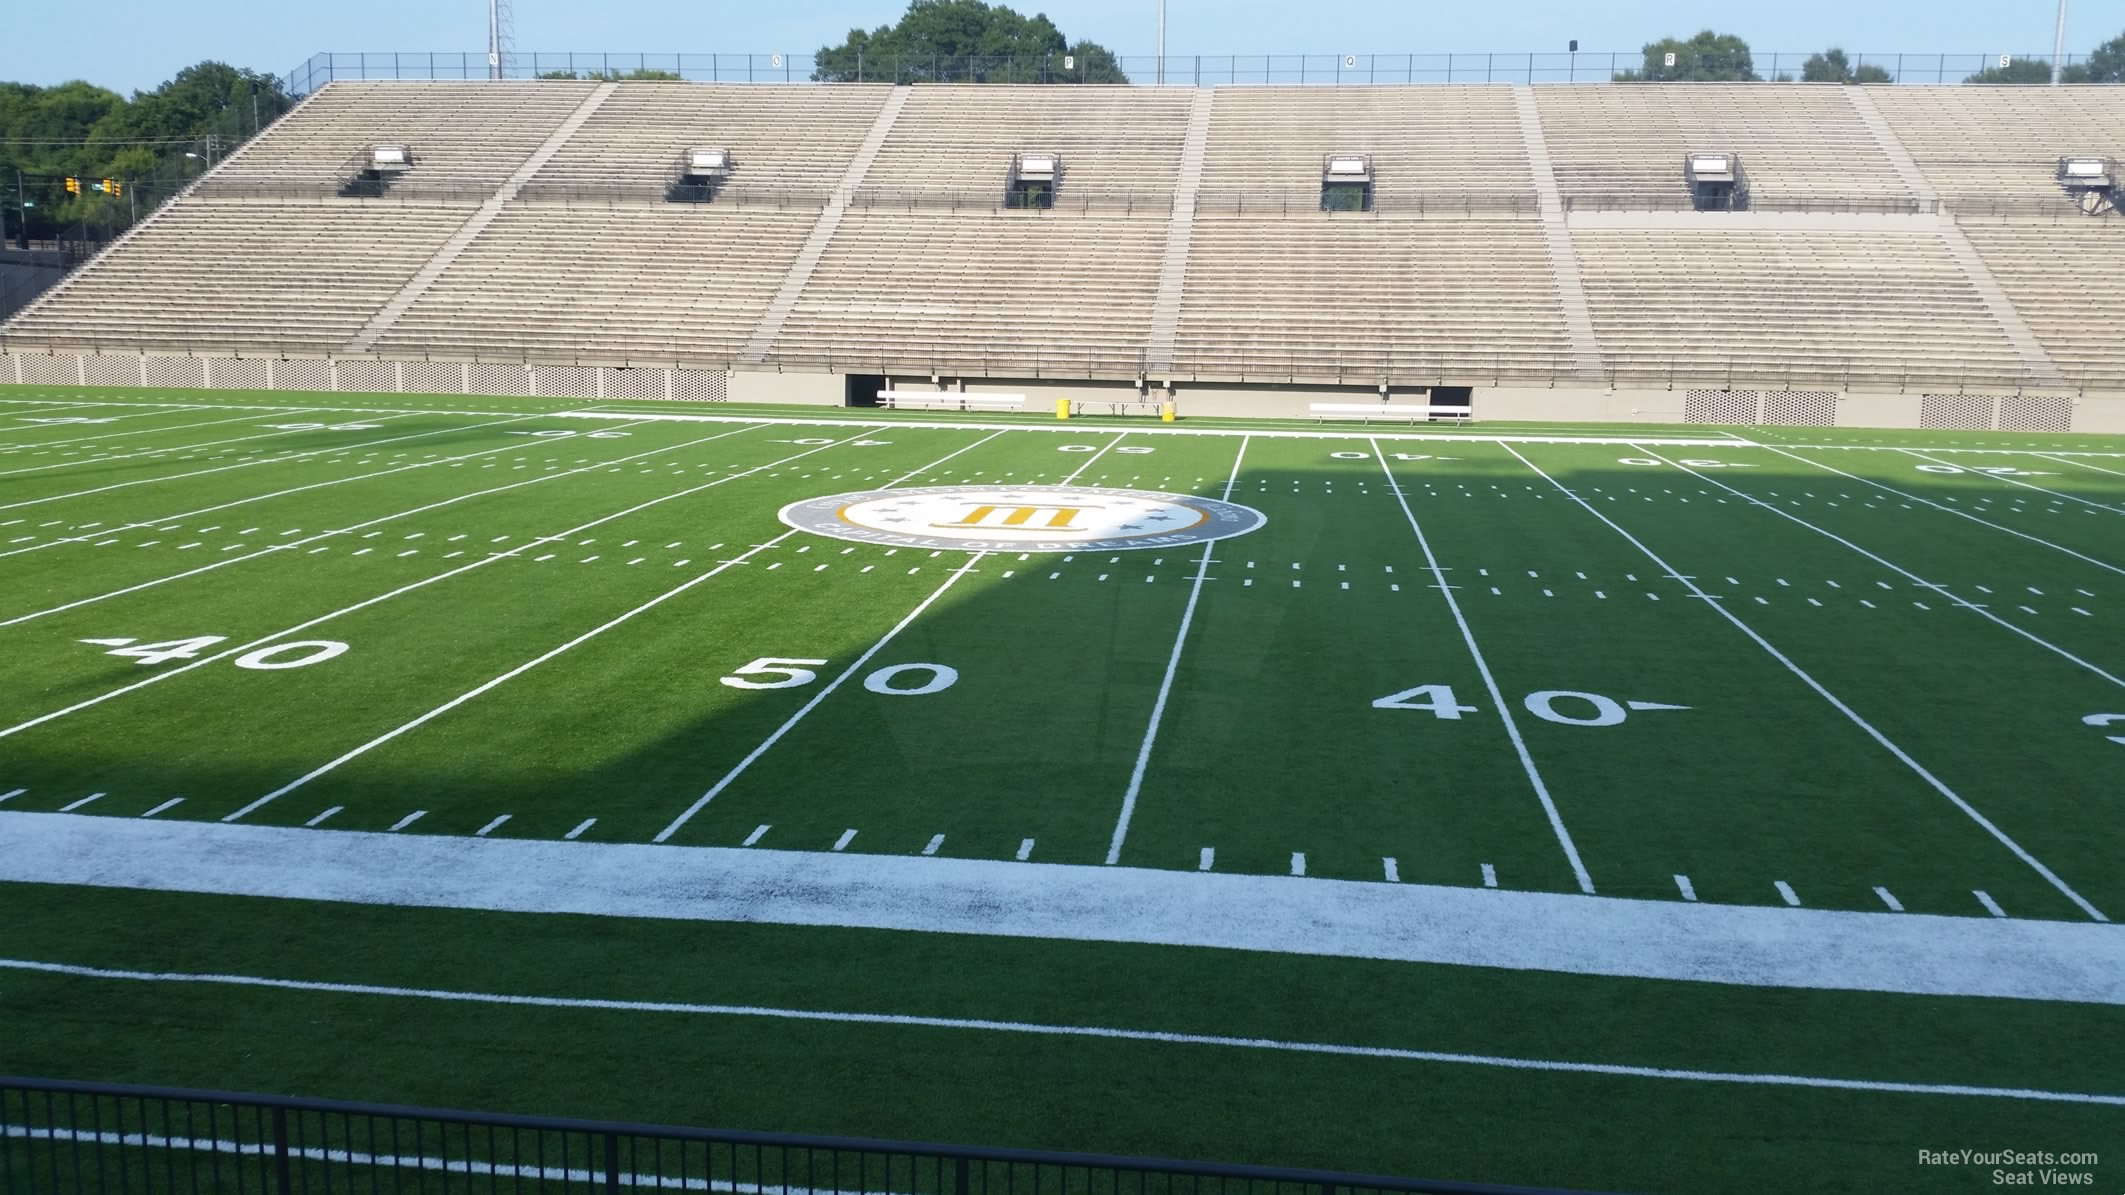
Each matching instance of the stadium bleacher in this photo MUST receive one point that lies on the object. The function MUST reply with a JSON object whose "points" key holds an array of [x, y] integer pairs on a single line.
{"points": [[1898, 237]]}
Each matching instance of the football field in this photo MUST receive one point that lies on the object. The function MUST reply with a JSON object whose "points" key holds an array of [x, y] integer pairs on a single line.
{"points": [[1613, 807]]}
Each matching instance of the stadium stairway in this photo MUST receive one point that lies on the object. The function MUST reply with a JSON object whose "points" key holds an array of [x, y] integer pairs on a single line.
{"points": [[425, 277], [1563, 260], [1180, 232], [800, 273]]}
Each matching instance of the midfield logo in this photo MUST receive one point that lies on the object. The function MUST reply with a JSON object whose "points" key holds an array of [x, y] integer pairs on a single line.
{"points": [[1023, 518]]}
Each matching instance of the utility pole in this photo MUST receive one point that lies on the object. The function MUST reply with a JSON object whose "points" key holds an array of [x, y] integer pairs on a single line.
{"points": [[2058, 48], [1163, 39]]}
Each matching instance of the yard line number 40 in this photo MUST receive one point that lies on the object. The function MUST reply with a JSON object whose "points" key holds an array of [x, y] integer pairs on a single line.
{"points": [[274, 657], [1566, 707]]}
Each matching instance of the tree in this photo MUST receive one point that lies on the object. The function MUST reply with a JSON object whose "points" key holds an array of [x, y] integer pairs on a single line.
{"points": [[2106, 65], [2026, 70], [1831, 66], [966, 41], [78, 130], [1706, 58]]}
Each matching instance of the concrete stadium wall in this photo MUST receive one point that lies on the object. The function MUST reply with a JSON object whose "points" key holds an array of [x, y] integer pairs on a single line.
{"points": [[2103, 414]]}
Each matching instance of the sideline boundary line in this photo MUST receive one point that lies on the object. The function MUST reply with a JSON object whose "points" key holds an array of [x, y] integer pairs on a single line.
{"points": [[1853, 715], [1165, 684], [1156, 1036], [1490, 683], [7, 450], [1886, 488], [1914, 578]]}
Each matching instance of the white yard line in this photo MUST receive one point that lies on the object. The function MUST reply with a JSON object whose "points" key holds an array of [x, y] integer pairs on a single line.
{"points": [[1851, 714], [499, 681], [404, 589], [1909, 497], [1165, 684], [2064, 459], [729, 777], [2023, 484], [1490, 683], [248, 416], [1764, 945], [1907, 574], [340, 531], [939, 461], [274, 460]]}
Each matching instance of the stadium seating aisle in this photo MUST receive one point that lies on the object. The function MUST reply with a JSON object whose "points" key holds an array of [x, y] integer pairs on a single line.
{"points": [[660, 282], [786, 141], [464, 137], [1871, 307], [257, 275], [1799, 144], [1317, 294], [1982, 145], [2063, 279], [1426, 142], [961, 137]]}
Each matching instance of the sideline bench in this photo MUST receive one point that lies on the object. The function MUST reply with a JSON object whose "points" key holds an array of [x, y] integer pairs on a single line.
{"points": [[949, 400], [1369, 411], [1121, 406]]}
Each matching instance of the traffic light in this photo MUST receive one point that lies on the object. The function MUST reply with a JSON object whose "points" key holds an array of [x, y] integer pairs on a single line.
{"points": [[110, 186], [73, 185]]}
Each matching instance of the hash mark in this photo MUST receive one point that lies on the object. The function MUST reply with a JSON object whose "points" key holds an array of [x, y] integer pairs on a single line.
{"points": [[935, 842], [1025, 849], [1394, 874], [320, 818], [78, 804], [1490, 876], [407, 820], [847, 836], [1682, 882], [1991, 906], [1785, 891], [576, 833], [490, 827], [758, 833], [1895, 905], [1208, 857]]}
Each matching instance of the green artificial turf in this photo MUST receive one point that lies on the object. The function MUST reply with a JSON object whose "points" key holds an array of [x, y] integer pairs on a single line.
{"points": [[1901, 692]]}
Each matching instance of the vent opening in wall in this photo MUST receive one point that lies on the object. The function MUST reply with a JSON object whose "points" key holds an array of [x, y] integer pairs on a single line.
{"points": [[1800, 408], [1956, 412], [2036, 413], [1719, 406]]}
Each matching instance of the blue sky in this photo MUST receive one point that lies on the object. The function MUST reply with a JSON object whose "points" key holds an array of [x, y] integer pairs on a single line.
{"points": [[137, 43]]}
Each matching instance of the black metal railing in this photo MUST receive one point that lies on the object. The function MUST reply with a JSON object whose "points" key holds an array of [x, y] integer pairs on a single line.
{"points": [[66, 1138]]}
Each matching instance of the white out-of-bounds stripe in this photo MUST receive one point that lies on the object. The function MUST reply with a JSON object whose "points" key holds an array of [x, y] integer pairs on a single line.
{"points": [[501, 680], [1032, 1028], [1094, 457], [1490, 683], [1911, 497], [2023, 484], [401, 591], [731, 776], [1851, 714], [1265, 431], [246, 501], [271, 460], [1907, 574], [127, 456], [1165, 684], [307, 540]]}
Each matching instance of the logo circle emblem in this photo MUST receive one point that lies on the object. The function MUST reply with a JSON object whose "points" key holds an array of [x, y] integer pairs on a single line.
{"points": [[1025, 518]]}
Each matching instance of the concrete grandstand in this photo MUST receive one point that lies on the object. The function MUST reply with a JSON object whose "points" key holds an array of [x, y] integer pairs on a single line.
{"points": [[1906, 255]]}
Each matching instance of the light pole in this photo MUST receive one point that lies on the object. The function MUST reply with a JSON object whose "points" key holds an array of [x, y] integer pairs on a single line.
{"points": [[1163, 39], [2058, 48]]}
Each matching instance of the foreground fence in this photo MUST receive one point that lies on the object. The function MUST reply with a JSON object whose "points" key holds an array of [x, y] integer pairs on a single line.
{"points": [[62, 1138]]}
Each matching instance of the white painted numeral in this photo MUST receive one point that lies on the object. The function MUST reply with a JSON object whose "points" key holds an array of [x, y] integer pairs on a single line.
{"points": [[1438, 701], [174, 649], [1543, 705], [1350, 456], [2107, 720], [1076, 448], [269, 659], [609, 435], [942, 677], [1645, 461], [322, 427], [1692, 463], [74, 419], [1131, 451], [794, 673]]}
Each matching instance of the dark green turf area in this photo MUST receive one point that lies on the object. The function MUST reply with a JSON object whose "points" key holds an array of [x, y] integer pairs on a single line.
{"points": [[1955, 628]]}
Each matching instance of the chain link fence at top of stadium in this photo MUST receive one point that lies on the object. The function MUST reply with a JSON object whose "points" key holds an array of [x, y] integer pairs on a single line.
{"points": [[1182, 70]]}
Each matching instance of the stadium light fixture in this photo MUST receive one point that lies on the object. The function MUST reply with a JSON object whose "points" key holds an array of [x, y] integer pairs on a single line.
{"points": [[2078, 173]]}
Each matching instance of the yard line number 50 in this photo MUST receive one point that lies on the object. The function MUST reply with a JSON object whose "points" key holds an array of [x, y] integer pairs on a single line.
{"points": [[894, 680]]}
